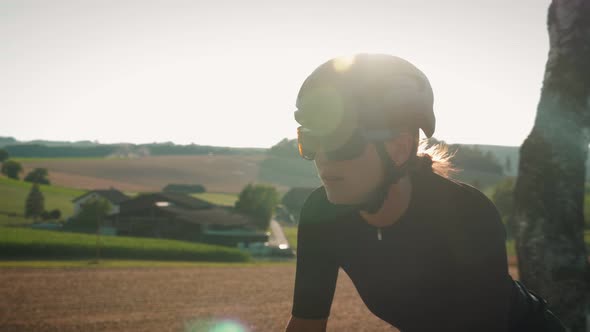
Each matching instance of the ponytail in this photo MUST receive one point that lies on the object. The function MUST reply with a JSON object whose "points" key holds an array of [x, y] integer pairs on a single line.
{"points": [[435, 158]]}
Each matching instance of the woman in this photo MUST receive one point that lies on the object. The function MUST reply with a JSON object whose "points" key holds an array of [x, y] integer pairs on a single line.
{"points": [[426, 253]]}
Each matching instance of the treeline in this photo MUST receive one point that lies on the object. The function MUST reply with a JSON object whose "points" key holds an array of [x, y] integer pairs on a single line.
{"points": [[184, 188], [105, 150], [42, 151], [470, 157], [193, 149]]}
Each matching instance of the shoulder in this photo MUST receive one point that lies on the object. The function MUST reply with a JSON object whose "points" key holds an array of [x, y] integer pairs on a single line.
{"points": [[461, 208], [317, 209], [468, 221], [456, 195]]}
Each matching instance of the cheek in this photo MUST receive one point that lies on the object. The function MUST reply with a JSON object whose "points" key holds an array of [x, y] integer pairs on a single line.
{"points": [[365, 177], [361, 179]]}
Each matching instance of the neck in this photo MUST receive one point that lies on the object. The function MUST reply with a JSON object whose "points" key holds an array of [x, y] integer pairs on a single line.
{"points": [[394, 206]]}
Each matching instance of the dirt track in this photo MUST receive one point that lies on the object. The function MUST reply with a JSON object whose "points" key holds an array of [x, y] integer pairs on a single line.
{"points": [[164, 299]]}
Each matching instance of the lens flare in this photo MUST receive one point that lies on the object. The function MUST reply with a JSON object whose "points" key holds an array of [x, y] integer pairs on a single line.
{"points": [[224, 325], [227, 326], [343, 63]]}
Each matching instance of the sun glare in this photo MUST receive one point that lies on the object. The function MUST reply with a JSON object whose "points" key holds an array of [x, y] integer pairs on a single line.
{"points": [[207, 325], [343, 63]]}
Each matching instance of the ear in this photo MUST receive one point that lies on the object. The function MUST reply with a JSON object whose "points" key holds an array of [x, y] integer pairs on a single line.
{"points": [[399, 148]]}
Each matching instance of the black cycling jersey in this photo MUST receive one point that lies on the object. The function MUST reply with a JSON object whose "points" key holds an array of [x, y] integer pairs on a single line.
{"points": [[442, 266]]}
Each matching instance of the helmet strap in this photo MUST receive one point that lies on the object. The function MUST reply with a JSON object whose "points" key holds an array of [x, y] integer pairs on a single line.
{"points": [[393, 174]]}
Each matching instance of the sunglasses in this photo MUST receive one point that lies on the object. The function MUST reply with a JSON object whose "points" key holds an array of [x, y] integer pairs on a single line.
{"points": [[308, 144]]}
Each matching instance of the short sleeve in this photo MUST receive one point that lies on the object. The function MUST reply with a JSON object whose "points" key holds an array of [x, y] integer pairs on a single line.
{"points": [[317, 269]]}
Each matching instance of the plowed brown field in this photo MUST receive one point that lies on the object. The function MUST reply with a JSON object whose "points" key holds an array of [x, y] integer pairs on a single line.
{"points": [[218, 173], [165, 299]]}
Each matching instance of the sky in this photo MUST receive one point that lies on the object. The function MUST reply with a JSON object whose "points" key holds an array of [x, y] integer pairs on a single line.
{"points": [[227, 73]]}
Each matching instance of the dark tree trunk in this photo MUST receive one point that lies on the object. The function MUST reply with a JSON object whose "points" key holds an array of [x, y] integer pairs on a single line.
{"points": [[549, 192]]}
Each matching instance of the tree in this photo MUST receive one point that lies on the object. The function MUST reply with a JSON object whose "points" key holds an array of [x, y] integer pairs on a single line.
{"points": [[51, 215], [55, 214], [3, 155], [258, 201], [508, 165], [92, 212], [503, 198], [38, 175], [11, 169], [35, 203], [549, 191], [474, 159], [285, 148]]}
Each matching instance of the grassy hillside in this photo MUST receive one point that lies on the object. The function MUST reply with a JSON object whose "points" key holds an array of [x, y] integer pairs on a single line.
{"points": [[13, 194], [22, 243]]}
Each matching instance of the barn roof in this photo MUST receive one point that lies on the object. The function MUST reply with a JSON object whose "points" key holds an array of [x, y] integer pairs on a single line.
{"points": [[145, 201], [112, 195], [213, 216]]}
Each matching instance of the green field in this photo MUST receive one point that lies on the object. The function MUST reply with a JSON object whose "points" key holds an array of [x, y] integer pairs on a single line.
{"points": [[510, 248], [13, 194], [22, 243], [218, 198], [291, 235], [116, 263]]}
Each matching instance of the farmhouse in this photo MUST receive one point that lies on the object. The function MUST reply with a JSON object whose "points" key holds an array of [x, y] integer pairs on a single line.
{"points": [[113, 196], [183, 217]]}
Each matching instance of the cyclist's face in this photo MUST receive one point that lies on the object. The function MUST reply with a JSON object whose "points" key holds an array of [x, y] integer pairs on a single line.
{"points": [[354, 178], [351, 181]]}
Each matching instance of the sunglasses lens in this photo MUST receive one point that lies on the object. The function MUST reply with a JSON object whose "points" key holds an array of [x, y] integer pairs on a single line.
{"points": [[306, 144], [352, 149]]}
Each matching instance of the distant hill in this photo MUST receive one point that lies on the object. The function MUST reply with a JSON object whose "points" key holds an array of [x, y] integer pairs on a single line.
{"points": [[7, 140], [88, 149], [503, 153], [513, 154], [4, 141], [149, 167]]}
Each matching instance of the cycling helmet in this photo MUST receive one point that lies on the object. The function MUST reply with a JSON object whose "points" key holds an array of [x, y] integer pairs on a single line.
{"points": [[366, 93]]}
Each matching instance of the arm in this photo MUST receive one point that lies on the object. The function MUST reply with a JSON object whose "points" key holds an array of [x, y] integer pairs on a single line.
{"points": [[315, 277], [306, 325]]}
